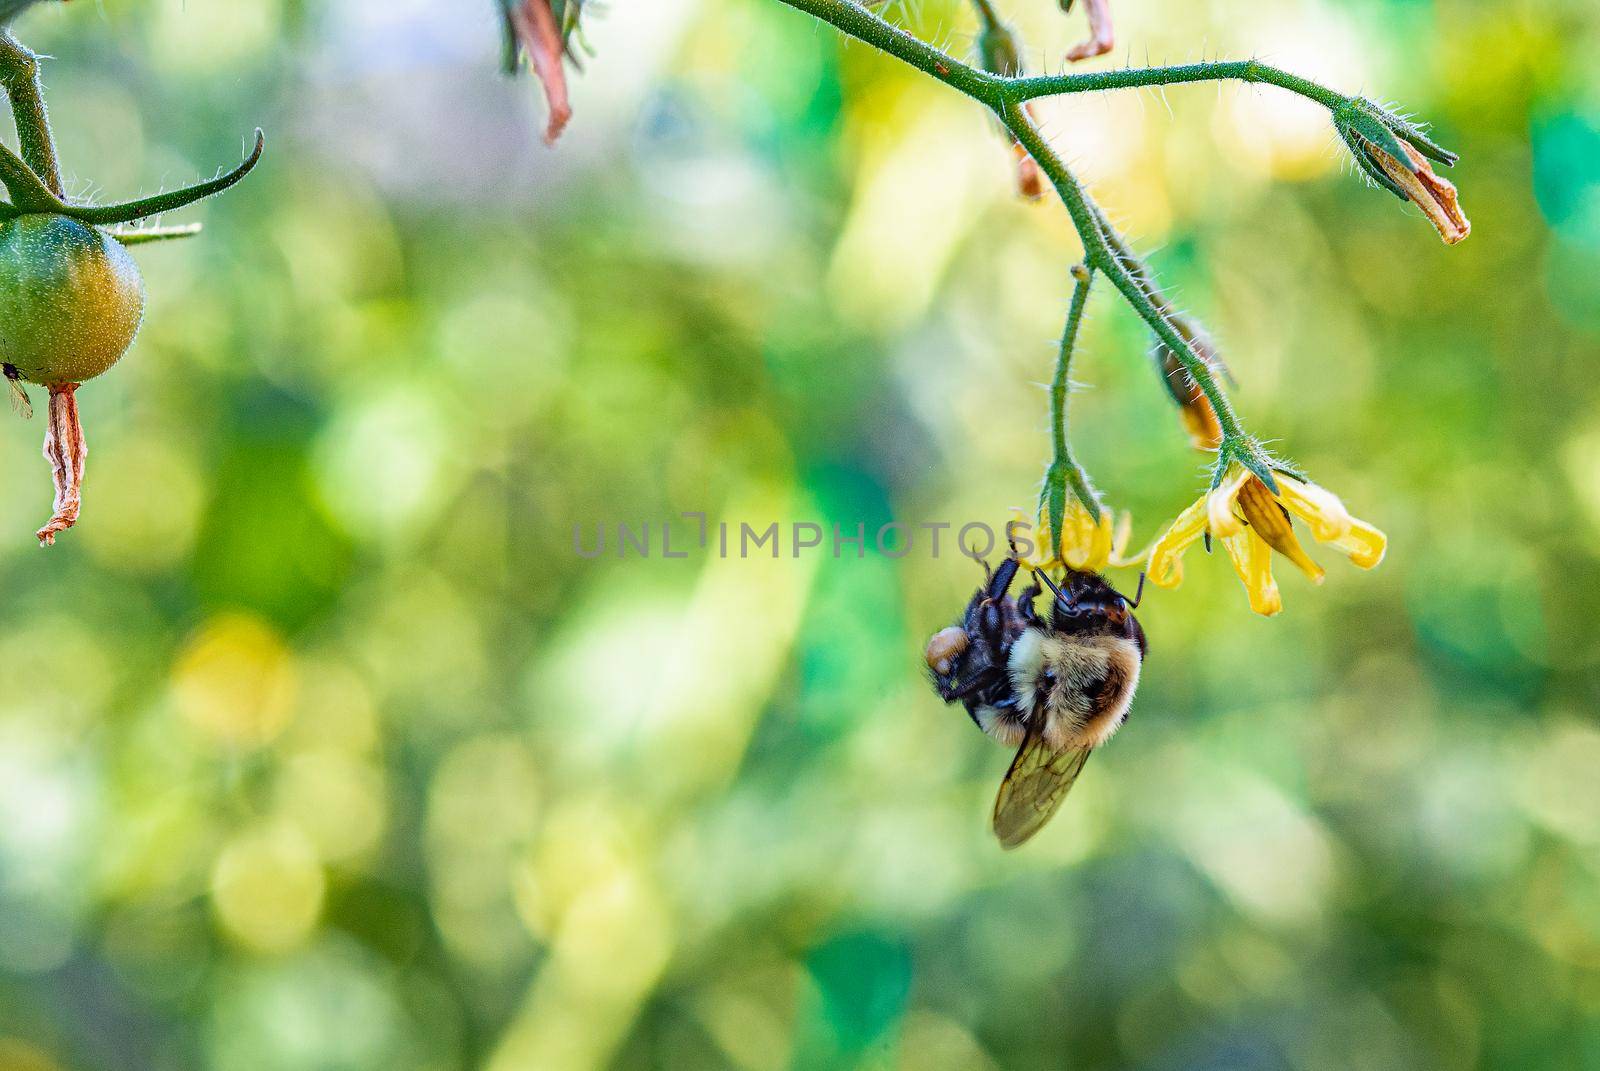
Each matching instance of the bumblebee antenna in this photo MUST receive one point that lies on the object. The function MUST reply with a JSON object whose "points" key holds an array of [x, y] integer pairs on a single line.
{"points": [[1138, 595], [1051, 584]]}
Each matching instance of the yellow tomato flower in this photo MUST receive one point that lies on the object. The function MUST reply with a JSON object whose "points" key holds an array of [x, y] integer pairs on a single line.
{"points": [[1252, 522], [1086, 545]]}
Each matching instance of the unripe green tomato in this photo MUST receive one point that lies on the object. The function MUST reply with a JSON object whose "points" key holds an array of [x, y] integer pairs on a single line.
{"points": [[71, 299]]}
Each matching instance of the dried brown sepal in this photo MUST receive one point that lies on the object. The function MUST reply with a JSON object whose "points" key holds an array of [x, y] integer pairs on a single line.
{"points": [[1436, 196], [539, 34], [66, 451], [1100, 39]]}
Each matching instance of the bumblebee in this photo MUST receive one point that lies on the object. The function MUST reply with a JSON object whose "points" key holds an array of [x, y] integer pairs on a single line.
{"points": [[1054, 686]]}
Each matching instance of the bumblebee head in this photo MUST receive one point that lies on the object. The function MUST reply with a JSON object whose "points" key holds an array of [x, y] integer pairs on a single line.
{"points": [[1086, 604]]}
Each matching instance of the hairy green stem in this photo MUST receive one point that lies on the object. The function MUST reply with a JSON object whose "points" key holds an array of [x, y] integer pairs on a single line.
{"points": [[30, 194], [1061, 383], [1021, 89], [19, 75], [1064, 468]]}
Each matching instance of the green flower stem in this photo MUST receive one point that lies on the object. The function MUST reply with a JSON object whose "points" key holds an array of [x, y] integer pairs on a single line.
{"points": [[1022, 89], [1064, 468], [19, 74]]}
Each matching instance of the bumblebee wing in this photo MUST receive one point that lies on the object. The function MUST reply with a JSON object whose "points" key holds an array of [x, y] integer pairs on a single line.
{"points": [[1039, 779]]}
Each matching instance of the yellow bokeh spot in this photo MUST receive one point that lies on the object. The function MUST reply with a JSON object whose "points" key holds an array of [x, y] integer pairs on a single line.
{"points": [[19, 1055], [235, 681], [209, 37], [138, 530], [336, 800], [267, 888], [334, 709]]}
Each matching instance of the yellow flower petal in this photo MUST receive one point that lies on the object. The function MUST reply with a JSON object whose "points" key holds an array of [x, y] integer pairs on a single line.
{"points": [[1265, 516], [1120, 540], [1252, 560], [1220, 502], [1122, 533], [1166, 557], [1320, 508], [1363, 544], [1092, 550]]}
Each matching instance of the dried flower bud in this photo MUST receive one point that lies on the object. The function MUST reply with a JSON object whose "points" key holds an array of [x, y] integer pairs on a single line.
{"points": [[1436, 196], [1000, 52], [541, 30], [1101, 39], [1395, 154], [998, 48], [1030, 180], [1194, 408]]}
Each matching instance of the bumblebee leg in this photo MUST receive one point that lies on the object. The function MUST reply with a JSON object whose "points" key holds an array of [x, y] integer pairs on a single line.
{"points": [[991, 625], [972, 689], [1025, 601], [1000, 582]]}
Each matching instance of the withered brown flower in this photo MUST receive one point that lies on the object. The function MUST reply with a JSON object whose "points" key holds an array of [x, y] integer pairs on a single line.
{"points": [[1436, 196]]}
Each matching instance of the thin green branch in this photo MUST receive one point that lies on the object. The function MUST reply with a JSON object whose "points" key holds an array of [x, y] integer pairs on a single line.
{"points": [[1022, 89], [1064, 469], [987, 15], [1061, 383], [19, 75]]}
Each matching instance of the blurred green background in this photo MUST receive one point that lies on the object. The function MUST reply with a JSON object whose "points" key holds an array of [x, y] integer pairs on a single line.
{"points": [[322, 749]]}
